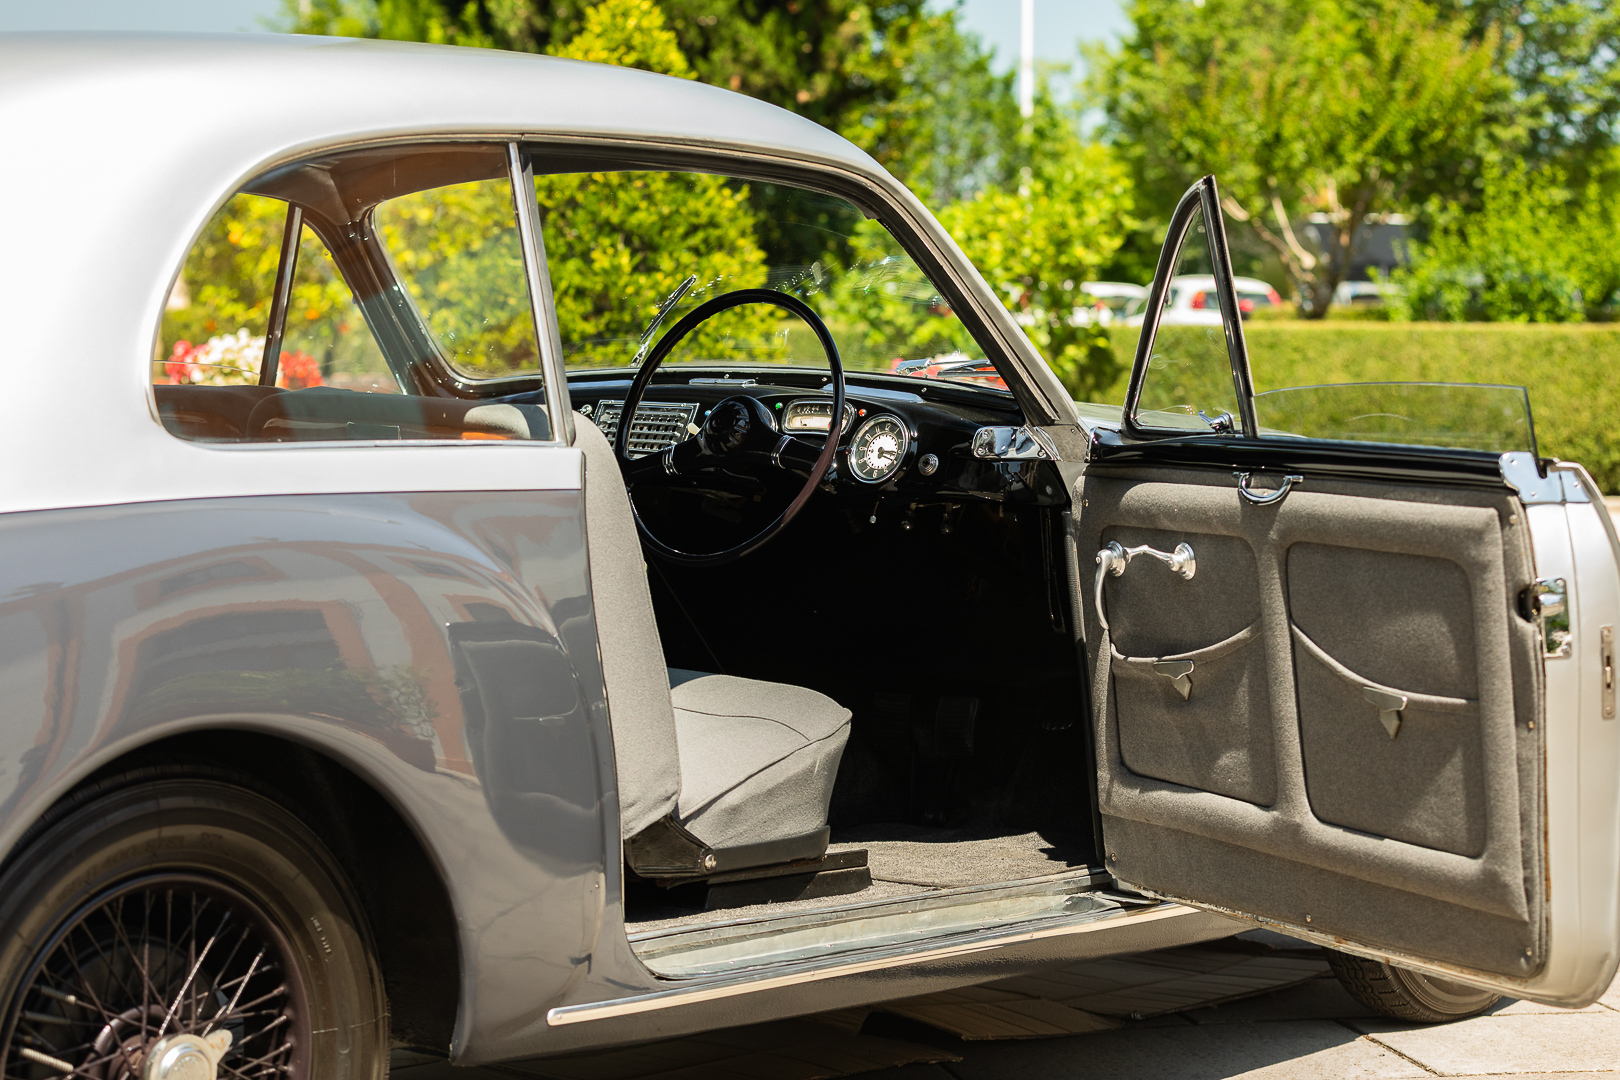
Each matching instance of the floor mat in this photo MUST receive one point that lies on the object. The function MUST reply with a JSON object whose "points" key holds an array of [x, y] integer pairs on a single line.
{"points": [[947, 858]]}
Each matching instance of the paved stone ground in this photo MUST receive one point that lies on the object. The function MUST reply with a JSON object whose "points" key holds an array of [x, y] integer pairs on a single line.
{"points": [[1314, 1030], [1304, 1032]]}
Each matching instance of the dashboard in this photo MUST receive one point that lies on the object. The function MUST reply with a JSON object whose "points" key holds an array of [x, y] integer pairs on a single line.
{"points": [[911, 439]]}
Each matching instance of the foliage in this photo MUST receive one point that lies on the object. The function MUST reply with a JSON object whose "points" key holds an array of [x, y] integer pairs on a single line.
{"points": [[1036, 244], [954, 128], [1534, 251], [225, 289], [1344, 108], [1568, 370], [903, 83], [1564, 59], [618, 244], [457, 250]]}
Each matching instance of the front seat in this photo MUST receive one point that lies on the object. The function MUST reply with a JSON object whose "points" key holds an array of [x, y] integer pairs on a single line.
{"points": [[744, 767]]}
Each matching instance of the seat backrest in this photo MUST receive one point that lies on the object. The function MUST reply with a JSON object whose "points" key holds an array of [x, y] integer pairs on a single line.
{"points": [[633, 668]]}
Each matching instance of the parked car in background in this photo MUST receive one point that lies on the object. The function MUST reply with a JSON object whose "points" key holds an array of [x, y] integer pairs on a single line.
{"points": [[480, 533], [1112, 300], [1192, 300], [1364, 293]]}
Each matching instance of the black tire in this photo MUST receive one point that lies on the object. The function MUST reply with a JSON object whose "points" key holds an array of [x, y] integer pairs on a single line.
{"points": [[1403, 994], [171, 907]]}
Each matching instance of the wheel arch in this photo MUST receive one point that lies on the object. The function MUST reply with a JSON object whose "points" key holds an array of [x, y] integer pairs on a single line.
{"points": [[400, 886]]}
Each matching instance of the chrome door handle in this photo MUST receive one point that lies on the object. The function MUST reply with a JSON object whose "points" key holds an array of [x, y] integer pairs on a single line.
{"points": [[1265, 498], [1114, 558]]}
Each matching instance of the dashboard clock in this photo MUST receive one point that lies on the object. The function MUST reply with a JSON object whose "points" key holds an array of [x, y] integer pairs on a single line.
{"points": [[878, 447]]}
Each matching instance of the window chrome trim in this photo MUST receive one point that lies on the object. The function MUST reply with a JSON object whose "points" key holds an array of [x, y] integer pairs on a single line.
{"points": [[292, 231], [547, 334]]}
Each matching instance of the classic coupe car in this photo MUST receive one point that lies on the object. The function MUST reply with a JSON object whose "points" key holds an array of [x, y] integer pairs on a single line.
{"points": [[521, 574]]}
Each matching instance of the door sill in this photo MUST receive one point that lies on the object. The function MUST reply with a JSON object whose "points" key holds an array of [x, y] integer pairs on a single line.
{"points": [[822, 936], [1106, 911]]}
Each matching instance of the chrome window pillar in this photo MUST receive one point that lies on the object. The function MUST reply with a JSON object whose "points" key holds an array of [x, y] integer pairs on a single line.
{"points": [[548, 338]]}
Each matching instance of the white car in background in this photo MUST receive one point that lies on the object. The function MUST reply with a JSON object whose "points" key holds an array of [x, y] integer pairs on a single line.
{"points": [[1192, 301], [1112, 301]]}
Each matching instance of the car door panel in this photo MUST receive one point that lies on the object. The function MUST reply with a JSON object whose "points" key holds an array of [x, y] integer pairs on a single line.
{"points": [[1347, 590], [1333, 705]]}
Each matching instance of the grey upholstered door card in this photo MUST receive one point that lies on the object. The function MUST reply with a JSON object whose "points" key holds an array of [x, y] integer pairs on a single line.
{"points": [[1215, 736], [1375, 629], [1218, 737], [1325, 621]]}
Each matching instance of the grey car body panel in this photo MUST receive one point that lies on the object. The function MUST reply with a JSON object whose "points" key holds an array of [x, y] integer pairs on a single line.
{"points": [[330, 621], [334, 622]]}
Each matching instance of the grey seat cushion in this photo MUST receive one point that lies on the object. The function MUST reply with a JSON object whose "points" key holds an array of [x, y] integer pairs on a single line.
{"points": [[758, 759], [737, 761]]}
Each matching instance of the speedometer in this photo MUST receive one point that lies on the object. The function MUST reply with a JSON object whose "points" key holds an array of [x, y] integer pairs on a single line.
{"points": [[878, 448]]}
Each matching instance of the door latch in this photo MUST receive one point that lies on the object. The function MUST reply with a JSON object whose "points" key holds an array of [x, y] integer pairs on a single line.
{"points": [[1606, 649], [1548, 602]]}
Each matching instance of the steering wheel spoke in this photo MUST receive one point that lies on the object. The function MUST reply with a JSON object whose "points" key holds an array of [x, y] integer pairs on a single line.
{"points": [[682, 459], [738, 428], [793, 454]]}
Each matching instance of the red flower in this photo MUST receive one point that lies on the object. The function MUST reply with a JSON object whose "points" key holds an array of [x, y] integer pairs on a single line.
{"points": [[297, 370]]}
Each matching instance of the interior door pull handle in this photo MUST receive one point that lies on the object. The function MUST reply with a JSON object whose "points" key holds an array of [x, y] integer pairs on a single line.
{"points": [[1114, 558], [1265, 498]]}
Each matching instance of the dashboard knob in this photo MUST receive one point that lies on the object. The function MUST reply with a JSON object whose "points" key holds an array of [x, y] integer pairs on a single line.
{"points": [[928, 464]]}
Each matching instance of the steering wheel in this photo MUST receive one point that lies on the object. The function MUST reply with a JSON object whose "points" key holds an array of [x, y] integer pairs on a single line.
{"points": [[738, 427]]}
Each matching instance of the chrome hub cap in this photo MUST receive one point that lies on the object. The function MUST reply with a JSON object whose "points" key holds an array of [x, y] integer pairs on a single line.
{"points": [[187, 1057]]}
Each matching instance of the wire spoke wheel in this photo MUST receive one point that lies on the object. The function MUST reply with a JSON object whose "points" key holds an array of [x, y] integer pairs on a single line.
{"points": [[152, 960], [171, 927]]}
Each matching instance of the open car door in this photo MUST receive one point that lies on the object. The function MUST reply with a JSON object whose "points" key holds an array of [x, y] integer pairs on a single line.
{"points": [[1351, 667]]}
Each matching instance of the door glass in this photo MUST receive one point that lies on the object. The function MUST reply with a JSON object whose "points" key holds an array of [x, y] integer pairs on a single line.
{"points": [[456, 250], [615, 262], [327, 342], [1464, 416], [1188, 387]]}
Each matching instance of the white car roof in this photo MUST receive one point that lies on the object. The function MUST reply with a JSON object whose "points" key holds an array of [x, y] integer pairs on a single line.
{"points": [[1112, 288], [122, 146], [187, 83], [1207, 281]]}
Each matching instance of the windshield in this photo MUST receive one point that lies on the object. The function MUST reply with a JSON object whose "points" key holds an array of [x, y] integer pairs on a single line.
{"points": [[623, 247]]}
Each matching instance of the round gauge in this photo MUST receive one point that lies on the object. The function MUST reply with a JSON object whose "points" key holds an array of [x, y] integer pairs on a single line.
{"points": [[878, 447]]}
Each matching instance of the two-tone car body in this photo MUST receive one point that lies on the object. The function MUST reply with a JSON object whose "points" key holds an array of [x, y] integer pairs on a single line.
{"points": [[350, 702]]}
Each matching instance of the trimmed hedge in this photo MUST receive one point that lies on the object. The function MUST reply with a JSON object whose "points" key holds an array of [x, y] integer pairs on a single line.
{"points": [[1571, 371]]}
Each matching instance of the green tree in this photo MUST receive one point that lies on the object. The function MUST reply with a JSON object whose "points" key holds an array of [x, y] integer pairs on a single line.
{"points": [[1340, 108], [1564, 59], [905, 84], [618, 243], [1525, 254], [1038, 241]]}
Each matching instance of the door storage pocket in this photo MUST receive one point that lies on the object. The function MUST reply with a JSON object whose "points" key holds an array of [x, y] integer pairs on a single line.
{"points": [[1201, 719], [1389, 761]]}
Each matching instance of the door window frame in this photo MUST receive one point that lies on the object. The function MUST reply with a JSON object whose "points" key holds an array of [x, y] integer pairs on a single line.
{"points": [[1202, 198]]}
